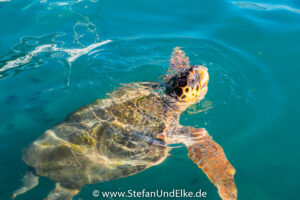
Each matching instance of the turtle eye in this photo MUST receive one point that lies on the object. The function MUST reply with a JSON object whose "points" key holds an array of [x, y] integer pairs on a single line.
{"points": [[178, 91]]}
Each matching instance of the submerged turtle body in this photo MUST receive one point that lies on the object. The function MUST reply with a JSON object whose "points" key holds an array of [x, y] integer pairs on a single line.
{"points": [[126, 133], [108, 139]]}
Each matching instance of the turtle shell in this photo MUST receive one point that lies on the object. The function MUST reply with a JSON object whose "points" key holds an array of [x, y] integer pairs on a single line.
{"points": [[111, 138]]}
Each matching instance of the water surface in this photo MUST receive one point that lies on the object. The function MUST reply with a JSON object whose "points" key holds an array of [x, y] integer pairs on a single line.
{"points": [[56, 56]]}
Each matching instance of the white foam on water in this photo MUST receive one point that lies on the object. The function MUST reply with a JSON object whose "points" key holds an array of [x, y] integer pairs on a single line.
{"points": [[61, 3], [76, 53], [25, 59], [73, 53]]}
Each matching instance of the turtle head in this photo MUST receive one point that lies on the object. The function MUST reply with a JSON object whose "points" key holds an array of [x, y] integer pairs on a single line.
{"points": [[189, 85]]}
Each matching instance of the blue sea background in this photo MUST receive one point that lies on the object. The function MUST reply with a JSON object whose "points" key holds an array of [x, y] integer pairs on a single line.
{"points": [[52, 62]]}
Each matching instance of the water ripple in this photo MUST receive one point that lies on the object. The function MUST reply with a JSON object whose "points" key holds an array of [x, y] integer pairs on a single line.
{"points": [[19, 60], [265, 6]]}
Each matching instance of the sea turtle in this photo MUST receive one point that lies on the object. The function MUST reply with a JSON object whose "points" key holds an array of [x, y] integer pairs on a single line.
{"points": [[127, 133]]}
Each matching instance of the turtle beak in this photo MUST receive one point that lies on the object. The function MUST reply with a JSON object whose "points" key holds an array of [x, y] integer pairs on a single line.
{"points": [[204, 77]]}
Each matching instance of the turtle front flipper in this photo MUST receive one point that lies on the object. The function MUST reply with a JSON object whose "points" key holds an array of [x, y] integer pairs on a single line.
{"points": [[61, 193], [210, 157], [178, 62]]}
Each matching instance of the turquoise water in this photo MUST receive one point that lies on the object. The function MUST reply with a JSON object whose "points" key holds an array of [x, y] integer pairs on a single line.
{"points": [[48, 68]]}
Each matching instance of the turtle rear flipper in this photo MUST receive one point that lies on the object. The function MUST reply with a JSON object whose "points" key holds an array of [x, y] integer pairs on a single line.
{"points": [[30, 180], [61, 193], [210, 157]]}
